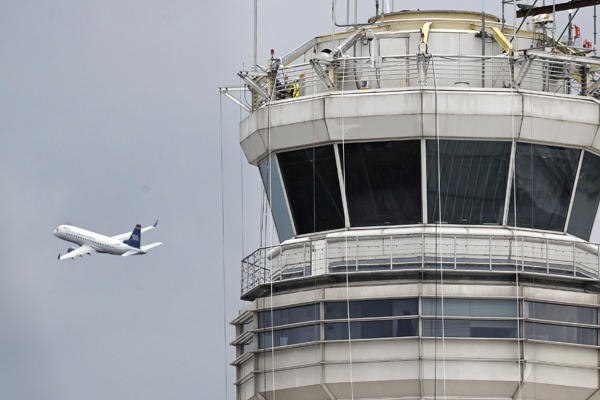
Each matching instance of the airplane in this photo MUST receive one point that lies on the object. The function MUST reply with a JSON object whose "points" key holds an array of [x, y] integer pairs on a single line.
{"points": [[125, 244]]}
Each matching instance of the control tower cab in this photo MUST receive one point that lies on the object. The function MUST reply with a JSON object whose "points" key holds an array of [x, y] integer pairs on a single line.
{"points": [[434, 183]]}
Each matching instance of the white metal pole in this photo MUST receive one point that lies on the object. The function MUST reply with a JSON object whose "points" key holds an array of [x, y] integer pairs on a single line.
{"points": [[255, 60]]}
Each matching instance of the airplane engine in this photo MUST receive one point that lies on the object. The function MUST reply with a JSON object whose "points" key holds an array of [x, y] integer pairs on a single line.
{"points": [[70, 249]]}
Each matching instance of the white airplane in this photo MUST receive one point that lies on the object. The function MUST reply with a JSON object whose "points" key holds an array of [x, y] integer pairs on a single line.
{"points": [[125, 244]]}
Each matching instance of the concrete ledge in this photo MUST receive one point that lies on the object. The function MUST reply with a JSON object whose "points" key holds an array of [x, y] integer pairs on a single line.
{"points": [[495, 114]]}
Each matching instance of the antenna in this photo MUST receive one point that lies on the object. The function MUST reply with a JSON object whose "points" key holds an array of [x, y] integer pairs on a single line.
{"points": [[595, 31], [255, 60]]}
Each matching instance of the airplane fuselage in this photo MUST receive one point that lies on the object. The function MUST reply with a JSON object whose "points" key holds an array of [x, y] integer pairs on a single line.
{"points": [[97, 241]]}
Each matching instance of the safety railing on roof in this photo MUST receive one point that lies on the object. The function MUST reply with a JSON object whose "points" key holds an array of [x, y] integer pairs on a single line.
{"points": [[533, 71], [425, 251]]}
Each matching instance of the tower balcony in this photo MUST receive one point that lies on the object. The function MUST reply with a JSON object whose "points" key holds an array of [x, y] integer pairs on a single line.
{"points": [[404, 253]]}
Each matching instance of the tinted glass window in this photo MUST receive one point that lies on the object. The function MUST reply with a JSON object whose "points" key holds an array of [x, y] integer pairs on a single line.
{"points": [[560, 333], [473, 177], [371, 308], [285, 337], [587, 197], [274, 189], [544, 177], [285, 316], [371, 329], [313, 189], [560, 312], [470, 307], [383, 182], [470, 328]]}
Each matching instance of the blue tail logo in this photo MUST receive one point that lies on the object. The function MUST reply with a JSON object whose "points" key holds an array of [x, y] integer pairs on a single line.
{"points": [[135, 238]]}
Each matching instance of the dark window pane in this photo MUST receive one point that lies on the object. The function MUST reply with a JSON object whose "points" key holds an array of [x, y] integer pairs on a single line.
{"points": [[561, 312], [291, 315], [587, 197], [470, 328], [473, 177], [313, 188], [371, 308], [285, 337], [544, 177], [558, 333], [274, 189], [371, 329], [383, 182], [470, 307]]}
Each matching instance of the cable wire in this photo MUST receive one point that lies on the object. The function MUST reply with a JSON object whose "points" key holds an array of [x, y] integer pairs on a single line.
{"points": [[223, 243], [343, 161], [438, 246], [270, 153], [514, 92]]}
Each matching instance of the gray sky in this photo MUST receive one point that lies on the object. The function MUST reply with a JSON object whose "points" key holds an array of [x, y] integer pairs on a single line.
{"points": [[109, 116]]}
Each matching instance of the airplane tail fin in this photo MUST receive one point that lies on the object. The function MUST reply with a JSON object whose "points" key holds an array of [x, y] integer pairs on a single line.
{"points": [[135, 238]]}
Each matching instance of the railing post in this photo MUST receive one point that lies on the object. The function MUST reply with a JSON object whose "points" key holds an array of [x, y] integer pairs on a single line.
{"points": [[522, 253], [422, 60], [490, 250], [584, 76], [356, 259], [326, 260], [256, 271], [242, 278], [598, 260], [310, 259], [422, 250], [267, 272], [511, 66], [573, 249], [391, 252], [283, 264], [454, 251], [547, 258]]}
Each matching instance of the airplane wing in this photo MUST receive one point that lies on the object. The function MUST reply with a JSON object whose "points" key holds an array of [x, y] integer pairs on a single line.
{"points": [[80, 251], [123, 236]]}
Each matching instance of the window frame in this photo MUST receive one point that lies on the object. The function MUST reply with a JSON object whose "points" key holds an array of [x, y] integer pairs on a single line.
{"points": [[520, 322], [425, 217]]}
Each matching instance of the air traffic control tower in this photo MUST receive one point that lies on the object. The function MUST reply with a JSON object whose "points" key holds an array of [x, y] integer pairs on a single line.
{"points": [[434, 179]]}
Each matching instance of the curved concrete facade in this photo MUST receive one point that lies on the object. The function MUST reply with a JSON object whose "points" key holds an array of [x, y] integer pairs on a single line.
{"points": [[392, 115], [419, 367]]}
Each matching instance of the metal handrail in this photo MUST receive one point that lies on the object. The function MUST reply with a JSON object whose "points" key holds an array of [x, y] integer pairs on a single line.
{"points": [[576, 76], [422, 251]]}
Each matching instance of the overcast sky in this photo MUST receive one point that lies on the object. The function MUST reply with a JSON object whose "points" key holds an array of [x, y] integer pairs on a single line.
{"points": [[109, 116]]}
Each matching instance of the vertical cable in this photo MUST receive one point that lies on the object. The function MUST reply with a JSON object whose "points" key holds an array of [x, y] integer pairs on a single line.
{"points": [[270, 271], [439, 239], [223, 242], [343, 177], [514, 91], [242, 239], [255, 59]]}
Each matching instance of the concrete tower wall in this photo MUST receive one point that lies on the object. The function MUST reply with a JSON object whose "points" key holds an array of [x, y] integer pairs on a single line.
{"points": [[434, 201]]}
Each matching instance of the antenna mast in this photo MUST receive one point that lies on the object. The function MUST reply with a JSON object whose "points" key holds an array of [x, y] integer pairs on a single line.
{"points": [[255, 59]]}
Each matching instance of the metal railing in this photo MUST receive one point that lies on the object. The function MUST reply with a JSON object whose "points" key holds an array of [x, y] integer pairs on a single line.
{"points": [[535, 71], [425, 251]]}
